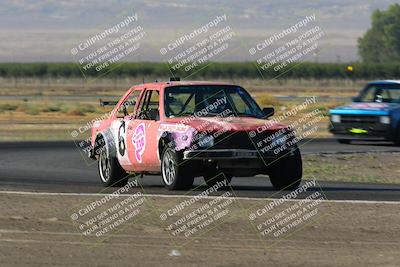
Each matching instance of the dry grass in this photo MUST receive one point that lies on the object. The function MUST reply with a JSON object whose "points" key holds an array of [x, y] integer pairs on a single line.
{"points": [[75, 101], [382, 168]]}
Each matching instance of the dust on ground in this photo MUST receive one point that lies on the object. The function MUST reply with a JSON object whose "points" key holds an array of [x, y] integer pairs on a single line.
{"points": [[37, 230]]}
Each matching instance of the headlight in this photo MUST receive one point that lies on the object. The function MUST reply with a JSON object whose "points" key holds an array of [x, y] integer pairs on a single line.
{"points": [[335, 118], [206, 141], [384, 119]]}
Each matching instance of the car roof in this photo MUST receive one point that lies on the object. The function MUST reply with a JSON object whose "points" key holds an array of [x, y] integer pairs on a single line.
{"points": [[180, 83], [385, 82]]}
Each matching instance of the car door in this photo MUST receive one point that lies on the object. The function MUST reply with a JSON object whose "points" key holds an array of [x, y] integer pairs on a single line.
{"points": [[125, 114], [141, 133]]}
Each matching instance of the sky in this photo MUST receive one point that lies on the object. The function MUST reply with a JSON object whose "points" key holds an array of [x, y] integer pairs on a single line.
{"points": [[47, 30]]}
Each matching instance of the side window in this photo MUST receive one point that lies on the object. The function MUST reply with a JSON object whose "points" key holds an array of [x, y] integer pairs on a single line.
{"points": [[149, 108], [131, 101], [370, 95], [128, 107], [239, 104], [180, 104]]}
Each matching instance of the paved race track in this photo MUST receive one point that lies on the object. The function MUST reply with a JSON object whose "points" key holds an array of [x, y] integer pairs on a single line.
{"points": [[59, 167]]}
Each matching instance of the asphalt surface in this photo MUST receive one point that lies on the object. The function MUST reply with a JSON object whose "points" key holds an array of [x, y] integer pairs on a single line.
{"points": [[60, 167]]}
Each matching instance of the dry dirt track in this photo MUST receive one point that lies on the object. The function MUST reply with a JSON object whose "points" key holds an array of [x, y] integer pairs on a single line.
{"points": [[36, 230]]}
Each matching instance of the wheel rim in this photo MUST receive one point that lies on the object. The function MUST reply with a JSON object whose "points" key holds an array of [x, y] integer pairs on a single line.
{"points": [[168, 168], [104, 166]]}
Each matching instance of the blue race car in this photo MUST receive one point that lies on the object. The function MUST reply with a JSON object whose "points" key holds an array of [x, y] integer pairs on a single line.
{"points": [[373, 115]]}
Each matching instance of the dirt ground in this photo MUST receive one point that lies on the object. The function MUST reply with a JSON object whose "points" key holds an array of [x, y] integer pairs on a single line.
{"points": [[37, 230], [358, 168]]}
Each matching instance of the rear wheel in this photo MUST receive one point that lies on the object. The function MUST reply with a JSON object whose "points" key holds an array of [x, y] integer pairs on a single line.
{"points": [[111, 173], [286, 172], [175, 174]]}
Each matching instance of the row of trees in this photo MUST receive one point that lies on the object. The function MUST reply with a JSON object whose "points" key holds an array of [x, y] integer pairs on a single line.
{"points": [[213, 70], [379, 49], [381, 43]]}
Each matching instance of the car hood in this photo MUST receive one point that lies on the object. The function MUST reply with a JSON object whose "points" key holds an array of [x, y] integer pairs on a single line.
{"points": [[213, 124], [366, 108]]}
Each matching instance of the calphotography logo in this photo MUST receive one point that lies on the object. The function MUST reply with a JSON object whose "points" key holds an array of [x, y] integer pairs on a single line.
{"points": [[199, 215], [102, 216], [200, 133], [281, 50], [100, 52], [193, 50], [284, 216]]}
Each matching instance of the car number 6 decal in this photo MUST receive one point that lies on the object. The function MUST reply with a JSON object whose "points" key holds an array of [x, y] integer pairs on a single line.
{"points": [[121, 139]]}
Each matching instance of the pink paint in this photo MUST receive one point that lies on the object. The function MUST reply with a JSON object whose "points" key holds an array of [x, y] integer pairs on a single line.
{"points": [[369, 105]]}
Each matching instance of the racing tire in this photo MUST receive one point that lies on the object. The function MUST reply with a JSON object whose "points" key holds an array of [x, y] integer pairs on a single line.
{"points": [[110, 171], [286, 172], [176, 175], [212, 176], [344, 141]]}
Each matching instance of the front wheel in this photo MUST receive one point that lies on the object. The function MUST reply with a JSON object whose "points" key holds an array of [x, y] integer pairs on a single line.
{"points": [[111, 172], [286, 172], [175, 173]]}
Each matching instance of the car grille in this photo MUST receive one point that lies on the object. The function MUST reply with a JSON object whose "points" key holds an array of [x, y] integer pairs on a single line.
{"points": [[241, 140], [234, 140], [358, 119]]}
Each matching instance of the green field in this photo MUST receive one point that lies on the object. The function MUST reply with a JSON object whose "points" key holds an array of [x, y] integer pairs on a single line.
{"points": [[213, 70]]}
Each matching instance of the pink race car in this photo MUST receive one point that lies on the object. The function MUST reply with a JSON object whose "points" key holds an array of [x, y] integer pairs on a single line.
{"points": [[183, 130]]}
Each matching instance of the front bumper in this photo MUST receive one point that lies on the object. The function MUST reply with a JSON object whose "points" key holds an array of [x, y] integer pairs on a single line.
{"points": [[229, 154], [369, 131]]}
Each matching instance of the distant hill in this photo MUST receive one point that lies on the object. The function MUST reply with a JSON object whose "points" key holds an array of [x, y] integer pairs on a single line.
{"points": [[46, 30]]}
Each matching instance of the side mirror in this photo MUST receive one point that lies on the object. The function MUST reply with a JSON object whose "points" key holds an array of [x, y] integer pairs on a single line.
{"points": [[268, 112], [122, 112]]}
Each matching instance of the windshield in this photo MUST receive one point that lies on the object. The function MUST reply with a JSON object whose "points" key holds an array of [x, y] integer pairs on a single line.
{"points": [[209, 100], [381, 93]]}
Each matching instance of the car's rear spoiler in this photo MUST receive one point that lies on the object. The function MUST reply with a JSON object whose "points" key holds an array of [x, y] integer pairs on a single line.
{"points": [[104, 103]]}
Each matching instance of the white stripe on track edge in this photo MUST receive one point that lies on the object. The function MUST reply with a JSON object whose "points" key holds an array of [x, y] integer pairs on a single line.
{"points": [[190, 196]]}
